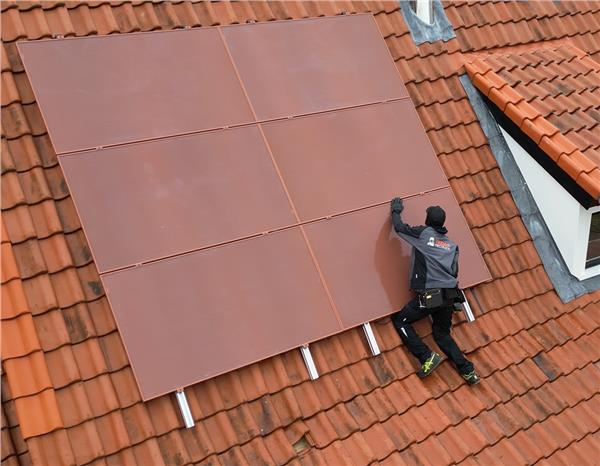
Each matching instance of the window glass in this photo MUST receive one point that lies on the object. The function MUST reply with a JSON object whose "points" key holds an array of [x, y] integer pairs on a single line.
{"points": [[593, 250]]}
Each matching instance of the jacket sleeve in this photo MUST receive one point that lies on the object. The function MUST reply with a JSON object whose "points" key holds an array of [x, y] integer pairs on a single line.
{"points": [[405, 231], [455, 264]]}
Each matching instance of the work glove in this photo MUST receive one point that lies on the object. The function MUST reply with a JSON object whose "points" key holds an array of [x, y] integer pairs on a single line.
{"points": [[397, 205]]}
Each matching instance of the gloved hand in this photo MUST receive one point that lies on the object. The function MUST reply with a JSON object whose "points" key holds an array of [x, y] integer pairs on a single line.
{"points": [[397, 205]]}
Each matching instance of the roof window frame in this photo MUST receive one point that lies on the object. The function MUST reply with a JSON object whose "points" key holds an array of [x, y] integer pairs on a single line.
{"points": [[424, 10]]}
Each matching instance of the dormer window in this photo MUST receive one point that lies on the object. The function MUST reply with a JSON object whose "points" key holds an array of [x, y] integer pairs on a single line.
{"points": [[592, 258]]}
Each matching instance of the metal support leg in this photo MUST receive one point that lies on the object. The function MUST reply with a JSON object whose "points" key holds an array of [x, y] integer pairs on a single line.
{"points": [[468, 311], [185, 408], [310, 363], [371, 339]]}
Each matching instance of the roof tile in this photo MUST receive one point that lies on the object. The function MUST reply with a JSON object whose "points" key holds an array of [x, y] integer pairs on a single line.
{"points": [[38, 413], [76, 406], [380, 404], [163, 411], [27, 375], [321, 430], [341, 419], [18, 224], [23, 152], [82, 20], [286, 406], [14, 302], [67, 287], [223, 433], [112, 432], [148, 452], [54, 448], [56, 253], [12, 193], [280, 449], [96, 355], [67, 215], [19, 337], [358, 449]]}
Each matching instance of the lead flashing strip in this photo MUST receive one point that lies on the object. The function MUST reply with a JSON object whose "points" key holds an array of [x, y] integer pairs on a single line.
{"points": [[421, 32]]}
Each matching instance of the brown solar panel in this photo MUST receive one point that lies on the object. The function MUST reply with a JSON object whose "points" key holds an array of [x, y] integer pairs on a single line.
{"points": [[365, 264], [296, 67], [344, 160], [96, 91], [182, 226], [144, 201], [195, 316]]}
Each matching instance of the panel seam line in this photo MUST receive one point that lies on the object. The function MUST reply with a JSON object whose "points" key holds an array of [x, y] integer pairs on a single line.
{"points": [[285, 188]]}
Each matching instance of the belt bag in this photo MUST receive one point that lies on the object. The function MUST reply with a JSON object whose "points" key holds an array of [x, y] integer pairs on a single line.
{"points": [[433, 298]]}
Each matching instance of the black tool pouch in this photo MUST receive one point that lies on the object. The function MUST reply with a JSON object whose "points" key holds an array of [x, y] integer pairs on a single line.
{"points": [[433, 298]]}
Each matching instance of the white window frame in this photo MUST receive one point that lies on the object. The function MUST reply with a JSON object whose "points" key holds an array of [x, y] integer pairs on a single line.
{"points": [[567, 220], [424, 10], [586, 227]]}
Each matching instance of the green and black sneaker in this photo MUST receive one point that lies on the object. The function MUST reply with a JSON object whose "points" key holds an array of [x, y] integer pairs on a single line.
{"points": [[472, 378], [429, 366]]}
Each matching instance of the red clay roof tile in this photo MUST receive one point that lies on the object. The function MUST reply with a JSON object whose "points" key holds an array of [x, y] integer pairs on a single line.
{"points": [[78, 406], [39, 413], [19, 337], [62, 367], [14, 302], [27, 375], [342, 421], [545, 130]]}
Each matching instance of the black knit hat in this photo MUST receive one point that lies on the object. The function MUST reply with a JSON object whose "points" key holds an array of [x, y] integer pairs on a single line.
{"points": [[435, 216]]}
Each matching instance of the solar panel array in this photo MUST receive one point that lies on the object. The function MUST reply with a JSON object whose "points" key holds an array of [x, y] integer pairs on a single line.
{"points": [[234, 182]]}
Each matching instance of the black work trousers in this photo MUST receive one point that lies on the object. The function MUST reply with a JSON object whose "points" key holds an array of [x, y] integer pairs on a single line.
{"points": [[442, 321]]}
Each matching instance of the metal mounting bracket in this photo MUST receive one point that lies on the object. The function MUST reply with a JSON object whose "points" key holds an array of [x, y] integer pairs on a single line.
{"points": [[468, 311], [310, 363], [371, 340], [188, 419]]}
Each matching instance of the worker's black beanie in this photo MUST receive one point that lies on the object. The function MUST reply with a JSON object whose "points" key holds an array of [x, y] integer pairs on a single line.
{"points": [[435, 216]]}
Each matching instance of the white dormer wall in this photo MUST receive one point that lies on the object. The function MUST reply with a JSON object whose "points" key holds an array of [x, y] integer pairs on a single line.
{"points": [[568, 221]]}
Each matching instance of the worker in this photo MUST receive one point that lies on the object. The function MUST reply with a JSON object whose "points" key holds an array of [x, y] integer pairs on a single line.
{"points": [[434, 279]]}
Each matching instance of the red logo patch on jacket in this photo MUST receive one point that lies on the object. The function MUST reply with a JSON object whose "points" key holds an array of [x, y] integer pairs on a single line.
{"points": [[438, 243]]}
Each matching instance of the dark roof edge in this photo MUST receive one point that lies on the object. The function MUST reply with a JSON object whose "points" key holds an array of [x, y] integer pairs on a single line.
{"points": [[421, 32], [566, 285]]}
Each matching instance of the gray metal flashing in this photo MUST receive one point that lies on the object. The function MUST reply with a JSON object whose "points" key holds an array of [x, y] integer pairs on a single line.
{"points": [[421, 32], [566, 285]]}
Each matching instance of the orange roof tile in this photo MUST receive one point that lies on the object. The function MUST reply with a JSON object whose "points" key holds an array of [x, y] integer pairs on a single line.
{"points": [[63, 355], [553, 125]]}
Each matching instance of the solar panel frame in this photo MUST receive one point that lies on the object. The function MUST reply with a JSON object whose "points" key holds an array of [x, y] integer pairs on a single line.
{"points": [[312, 65], [124, 301], [348, 159], [366, 265], [145, 201], [199, 309], [132, 87]]}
